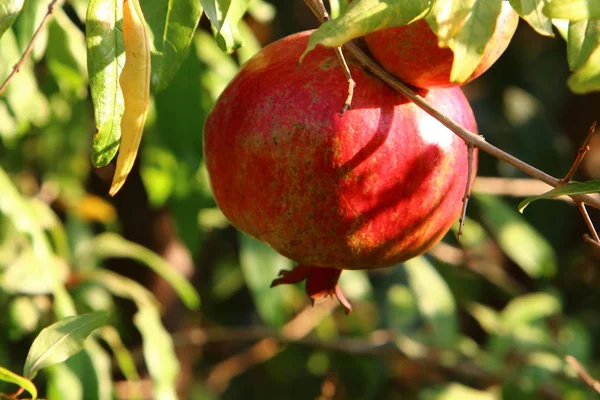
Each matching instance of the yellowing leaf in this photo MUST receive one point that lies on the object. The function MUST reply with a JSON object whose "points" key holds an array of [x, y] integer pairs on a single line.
{"points": [[135, 84]]}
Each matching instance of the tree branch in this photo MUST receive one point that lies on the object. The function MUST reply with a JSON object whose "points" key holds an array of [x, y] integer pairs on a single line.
{"points": [[29, 48]]}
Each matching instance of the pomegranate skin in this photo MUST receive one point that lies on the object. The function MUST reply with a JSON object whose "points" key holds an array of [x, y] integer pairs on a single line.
{"points": [[411, 52], [378, 185]]}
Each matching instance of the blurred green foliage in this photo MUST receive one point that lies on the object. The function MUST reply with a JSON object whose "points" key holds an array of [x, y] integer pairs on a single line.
{"points": [[489, 317]]}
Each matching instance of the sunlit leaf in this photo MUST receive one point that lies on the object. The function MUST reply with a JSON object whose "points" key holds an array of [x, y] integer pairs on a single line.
{"points": [[574, 10], [364, 16], [159, 353], [171, 26], [66, 54], [531, 11], [109, 245], [105, 59], [528, 309], [122, 286], [99, 374], [31, 17], [521, 242], [23, 315], [587, 77], [466, 26], [61, 340], [583, 38], [571, 188], [488, 318], [23, 95], [124, 359], [32, 274], [260, 265], [9, 10], [224, 16], [11, 377], [457, 391], [434, 299]]}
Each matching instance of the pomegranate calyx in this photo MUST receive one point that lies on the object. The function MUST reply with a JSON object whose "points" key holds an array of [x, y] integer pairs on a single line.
{"points": [[320, 283]]}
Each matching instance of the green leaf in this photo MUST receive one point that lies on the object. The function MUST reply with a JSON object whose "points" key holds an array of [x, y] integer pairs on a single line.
{"points": [[457, 391], [466, 27], [365, 16], [528, 309], [587, 77], [521, 242], [61, 340], [105, 59], [9, 10], [571, 188], [531, 11], [32, 274], [110, 245], [583, 38], [28, 22], [434, 300], [66, 54], [159, 353], [124, 360], [224, 16], [260, 265], [11, 377], [171, 27], [23, 95], [122, 286], [574, 10]]}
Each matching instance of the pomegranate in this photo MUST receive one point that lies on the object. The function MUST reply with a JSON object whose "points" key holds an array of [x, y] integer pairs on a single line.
{"points": [[376, 186], [411, 52]]}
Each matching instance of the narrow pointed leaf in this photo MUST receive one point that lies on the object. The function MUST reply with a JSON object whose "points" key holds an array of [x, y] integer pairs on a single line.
{"points": [[531, 11], [519, 240], [364, 16], [105, 58], [109, 245], [9, 10], [11, 377], [574, 10], [159, 353], [171, 26], [135, 84], [224, 15], [583, 38], [586, 78], [61, 340], [568, 189]]}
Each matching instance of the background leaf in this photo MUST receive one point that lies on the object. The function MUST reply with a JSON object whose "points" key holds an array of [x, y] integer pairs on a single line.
{"points": [[105, 59], [583, 38], [110, 245], [224, 16], [159, 352], [171, 27], [61, 340], [523, 244]]}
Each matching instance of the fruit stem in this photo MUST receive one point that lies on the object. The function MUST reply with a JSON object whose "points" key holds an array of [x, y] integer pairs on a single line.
{"points": [[467, 195]]}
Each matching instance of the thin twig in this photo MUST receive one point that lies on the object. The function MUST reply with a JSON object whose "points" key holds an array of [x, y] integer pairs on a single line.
{"points": [[583, 374], [580, 154], [318, 8], [29, 48], [351, 83], [589, 239], [467, 195], [588, 221], [469, 137]]}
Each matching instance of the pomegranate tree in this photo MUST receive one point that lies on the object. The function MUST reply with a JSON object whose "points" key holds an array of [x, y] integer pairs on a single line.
{"points": [[376, 186], [411, 52]]}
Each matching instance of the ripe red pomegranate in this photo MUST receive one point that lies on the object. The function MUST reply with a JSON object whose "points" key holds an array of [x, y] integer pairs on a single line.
{"points": [[411, 52], [379, 185]]}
